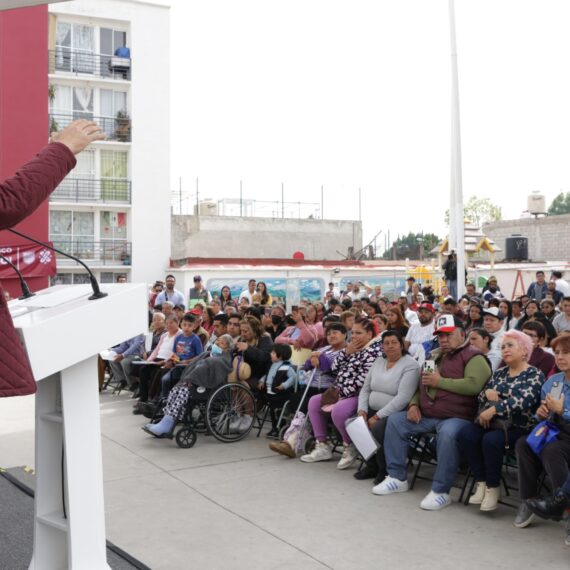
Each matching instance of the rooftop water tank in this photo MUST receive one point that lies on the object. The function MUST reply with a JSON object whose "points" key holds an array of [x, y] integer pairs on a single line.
{"points": [[536, 204], [516, 248], [208, 207]]}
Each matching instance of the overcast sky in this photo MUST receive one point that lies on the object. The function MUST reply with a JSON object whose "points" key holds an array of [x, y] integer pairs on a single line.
{"points": [[350, 94]]}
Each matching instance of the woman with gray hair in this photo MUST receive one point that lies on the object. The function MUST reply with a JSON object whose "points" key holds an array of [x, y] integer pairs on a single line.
{"points": [[209, 370], [507, 404]]}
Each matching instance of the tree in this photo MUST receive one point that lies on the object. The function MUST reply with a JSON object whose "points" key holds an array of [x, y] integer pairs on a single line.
{"points": [[411, 246], [560, 205], [479, 211]]}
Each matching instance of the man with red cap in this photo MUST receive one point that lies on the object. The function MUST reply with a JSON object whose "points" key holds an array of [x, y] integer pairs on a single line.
{"points": [[445, 402]]}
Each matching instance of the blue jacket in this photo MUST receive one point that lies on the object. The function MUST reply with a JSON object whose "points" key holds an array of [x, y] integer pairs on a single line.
{"points": [[132, 347], [536, 291]]}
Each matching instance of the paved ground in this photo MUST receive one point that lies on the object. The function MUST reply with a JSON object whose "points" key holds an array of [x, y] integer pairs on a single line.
{"points": [[240, 506]]}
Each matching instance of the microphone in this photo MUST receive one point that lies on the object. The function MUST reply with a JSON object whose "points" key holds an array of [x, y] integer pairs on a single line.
{"points": [[26, 293], [97, 293]]}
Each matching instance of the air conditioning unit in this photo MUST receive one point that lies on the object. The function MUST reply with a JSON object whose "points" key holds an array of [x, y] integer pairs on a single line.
{"points": [[536, 204]]}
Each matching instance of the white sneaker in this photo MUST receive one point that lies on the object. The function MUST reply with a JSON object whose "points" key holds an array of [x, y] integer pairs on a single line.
{"points": [[390, 485], [322, 452], [435, 501], [491, 499], [349, 455], [477, 497]]}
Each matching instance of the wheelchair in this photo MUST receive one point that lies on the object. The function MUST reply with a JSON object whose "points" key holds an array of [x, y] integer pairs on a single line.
{"points": [[222, 412]]}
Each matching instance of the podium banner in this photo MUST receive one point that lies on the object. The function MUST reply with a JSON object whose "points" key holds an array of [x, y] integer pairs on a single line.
{"points": [[32, 260]]}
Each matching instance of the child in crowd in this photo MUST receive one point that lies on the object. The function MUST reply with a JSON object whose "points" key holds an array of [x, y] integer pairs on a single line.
{"points": [[280, 378], [187, 345]]}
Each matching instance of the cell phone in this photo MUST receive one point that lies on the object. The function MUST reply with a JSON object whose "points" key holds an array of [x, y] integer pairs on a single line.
{"points": [[556, 391], [428, 367], [295, 308]]}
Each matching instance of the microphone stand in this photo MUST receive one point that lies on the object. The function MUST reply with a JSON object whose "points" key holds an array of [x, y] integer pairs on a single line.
{"points": [[26, 293], [97, 293]]}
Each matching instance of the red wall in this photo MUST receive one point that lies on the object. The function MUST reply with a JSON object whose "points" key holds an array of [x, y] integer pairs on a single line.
{"points": [[24, 111]]}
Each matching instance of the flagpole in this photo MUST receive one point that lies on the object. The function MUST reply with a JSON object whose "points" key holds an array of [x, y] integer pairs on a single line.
{"points": [[456, 222]]}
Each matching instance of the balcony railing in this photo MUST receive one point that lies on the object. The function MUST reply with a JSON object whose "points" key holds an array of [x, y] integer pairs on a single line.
{"points": [[105, 191], [67, 60], [116, 128], [95, 253]]}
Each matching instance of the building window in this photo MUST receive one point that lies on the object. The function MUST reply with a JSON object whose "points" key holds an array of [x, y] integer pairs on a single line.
{"points": [[114, 175], [60, 279], [74, 47], [73, 232], [113, 106], [109, 277], [75, 102]]}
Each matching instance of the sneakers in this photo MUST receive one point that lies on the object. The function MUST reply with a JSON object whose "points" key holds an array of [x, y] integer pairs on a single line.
{"points": [[272, 434], [283, 448], [162, 428], [322, 452], [349, 455], [435, 501], [491, 498], [524, 516], [477, 497], [390, 485]]}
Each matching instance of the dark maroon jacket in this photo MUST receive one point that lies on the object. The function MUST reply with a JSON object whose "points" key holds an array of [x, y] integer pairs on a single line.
{"points": [[447, 404], [20, 195]]}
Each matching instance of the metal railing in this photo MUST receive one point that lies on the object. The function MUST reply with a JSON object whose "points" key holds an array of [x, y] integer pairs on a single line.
{"points": [[105, 191], [116, 128], [68, 60], [112, 252]]}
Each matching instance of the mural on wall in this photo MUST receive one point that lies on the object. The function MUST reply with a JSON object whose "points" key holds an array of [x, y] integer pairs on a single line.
{"points": [[392, 285], [309, 289]]}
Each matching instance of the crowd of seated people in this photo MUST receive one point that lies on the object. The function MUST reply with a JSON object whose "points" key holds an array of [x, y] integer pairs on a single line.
{"points": [[475, 374]]}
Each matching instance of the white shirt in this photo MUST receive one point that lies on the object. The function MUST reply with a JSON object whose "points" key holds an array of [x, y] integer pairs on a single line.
{"points": [[411, 317], [418, 334], [494, 355], [561, 323], [245, 294], [563, 286]]}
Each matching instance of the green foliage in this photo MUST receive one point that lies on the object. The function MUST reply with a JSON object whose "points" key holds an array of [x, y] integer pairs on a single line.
{"points": [[560, 205], [409, 246], [479, 211]]}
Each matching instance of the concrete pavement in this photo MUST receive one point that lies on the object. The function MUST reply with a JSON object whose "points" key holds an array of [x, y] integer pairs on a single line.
{"points": [[240, 506]]}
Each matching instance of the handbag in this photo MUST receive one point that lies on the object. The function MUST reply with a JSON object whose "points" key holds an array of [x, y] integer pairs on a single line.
{"points": [[543, 433], [497, 423], [329, 398]]}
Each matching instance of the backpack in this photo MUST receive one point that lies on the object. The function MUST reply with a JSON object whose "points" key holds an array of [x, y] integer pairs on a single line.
{"points": [[298, 433]]}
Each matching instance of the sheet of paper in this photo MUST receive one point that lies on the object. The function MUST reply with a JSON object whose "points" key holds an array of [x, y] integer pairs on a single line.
{"points": [[361, 437], [108, 355]]}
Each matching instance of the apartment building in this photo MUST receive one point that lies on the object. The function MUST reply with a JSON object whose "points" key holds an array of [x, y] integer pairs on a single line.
{"points": [[108, 60]]}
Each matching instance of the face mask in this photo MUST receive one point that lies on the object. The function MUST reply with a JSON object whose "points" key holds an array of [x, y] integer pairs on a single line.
{"points": [[275, 319], [216, 350]]}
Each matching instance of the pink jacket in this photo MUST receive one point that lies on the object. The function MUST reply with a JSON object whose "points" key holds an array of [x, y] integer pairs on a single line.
{"points": [[308, 336], [20, 195]]}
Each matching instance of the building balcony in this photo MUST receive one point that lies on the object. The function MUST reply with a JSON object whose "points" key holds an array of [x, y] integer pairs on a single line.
{"points": [[89, 190], [94, 253], [116, 128], [69, 61]]}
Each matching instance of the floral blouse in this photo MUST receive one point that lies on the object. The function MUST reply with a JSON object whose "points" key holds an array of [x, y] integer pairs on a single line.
{"points": [[350, 370], [519, 396]]}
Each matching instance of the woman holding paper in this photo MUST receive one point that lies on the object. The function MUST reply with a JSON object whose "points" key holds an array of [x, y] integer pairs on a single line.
{"points": [[388, 387]]}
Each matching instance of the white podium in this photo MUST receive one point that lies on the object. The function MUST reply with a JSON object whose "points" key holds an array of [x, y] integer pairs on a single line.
{"points": [[63, 332]]}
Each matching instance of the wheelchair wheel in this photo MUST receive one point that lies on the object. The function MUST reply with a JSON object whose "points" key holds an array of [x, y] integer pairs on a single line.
{"points": [[282, 431], [310, 444], [230, 412], [186, 438], [199, 418]]}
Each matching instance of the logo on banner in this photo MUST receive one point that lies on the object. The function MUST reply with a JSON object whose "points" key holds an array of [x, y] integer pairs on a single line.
{"points": [[29, 257], [45, 256]]}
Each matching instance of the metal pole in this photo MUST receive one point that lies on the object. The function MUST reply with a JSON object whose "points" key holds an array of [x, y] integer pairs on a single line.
{"points": [[180, 195], [240, 199], [197, 199], [322, 203], [282, 200], [359, 205], [456, 206]]}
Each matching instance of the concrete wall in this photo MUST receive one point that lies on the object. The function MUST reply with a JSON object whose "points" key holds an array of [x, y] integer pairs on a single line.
{"points": [[228, 236], [548, 237]]}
